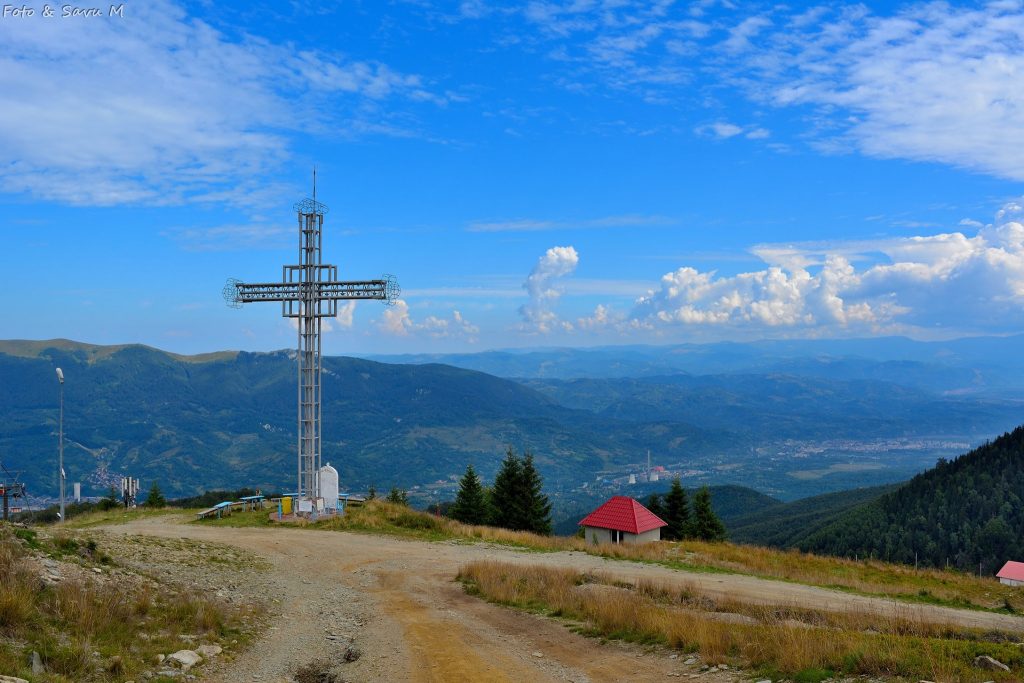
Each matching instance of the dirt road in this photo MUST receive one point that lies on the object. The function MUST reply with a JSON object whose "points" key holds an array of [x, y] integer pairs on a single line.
{"points": [[396, 602]]}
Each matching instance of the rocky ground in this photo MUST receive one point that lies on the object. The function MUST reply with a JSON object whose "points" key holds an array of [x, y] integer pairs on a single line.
{"points": [[227, 573], [175, 569]]}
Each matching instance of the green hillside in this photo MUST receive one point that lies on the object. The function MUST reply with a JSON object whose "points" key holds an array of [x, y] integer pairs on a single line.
{"points": [[966, 512], [787, 524], [226, 420]]}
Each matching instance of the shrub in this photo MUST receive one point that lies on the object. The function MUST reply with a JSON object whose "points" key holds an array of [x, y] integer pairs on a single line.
{"points": [[418, 521]]}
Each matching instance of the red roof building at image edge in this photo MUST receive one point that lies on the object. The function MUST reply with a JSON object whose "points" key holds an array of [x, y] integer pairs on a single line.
{"points": [[622, 513], [1012, 571]]}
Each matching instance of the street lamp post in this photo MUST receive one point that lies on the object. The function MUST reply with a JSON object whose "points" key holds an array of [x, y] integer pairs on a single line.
{"points": [[60, 380]]}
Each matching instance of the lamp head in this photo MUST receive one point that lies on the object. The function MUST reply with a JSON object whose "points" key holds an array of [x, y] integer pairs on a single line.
{"points": [[60, 375]]}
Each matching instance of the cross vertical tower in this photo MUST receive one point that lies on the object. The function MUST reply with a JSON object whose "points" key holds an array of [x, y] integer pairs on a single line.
{"points": [[309, 292]]}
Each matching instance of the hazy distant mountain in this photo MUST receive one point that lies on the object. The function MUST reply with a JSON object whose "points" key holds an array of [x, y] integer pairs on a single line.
{"points": [[774, 406], [983, 365]]}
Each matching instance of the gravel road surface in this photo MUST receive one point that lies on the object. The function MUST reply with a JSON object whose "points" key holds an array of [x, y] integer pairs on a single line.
{"points": [[392, 606]]}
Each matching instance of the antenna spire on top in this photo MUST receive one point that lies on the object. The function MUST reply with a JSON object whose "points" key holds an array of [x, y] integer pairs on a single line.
{"points": [[310, 205]]}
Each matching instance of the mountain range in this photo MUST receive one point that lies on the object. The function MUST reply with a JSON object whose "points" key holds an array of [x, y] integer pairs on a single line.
{"points": [[974, 366], [227, 419]]}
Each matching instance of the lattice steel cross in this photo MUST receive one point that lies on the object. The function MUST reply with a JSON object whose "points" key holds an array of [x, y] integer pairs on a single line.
{"points": [[310, 292]]}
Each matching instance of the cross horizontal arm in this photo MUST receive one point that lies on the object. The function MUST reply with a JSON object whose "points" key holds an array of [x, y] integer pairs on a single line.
{"points": [[324, 291], [237, 292]]}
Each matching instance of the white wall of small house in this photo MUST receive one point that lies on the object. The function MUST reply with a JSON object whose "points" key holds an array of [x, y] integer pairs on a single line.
{"points": [[595, 535], [1011, 582], [645, 537]]}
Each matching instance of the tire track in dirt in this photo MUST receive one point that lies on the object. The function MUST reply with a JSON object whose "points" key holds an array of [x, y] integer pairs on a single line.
{"points": [[444, 649]]}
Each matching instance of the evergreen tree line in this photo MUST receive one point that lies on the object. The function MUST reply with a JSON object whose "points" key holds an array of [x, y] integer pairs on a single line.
{"points": [[683, 523], [204, 500], [515, 501], [965, 513], [397, 496]]}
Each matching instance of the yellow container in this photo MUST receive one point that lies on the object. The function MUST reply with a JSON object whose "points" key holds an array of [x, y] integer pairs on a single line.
{"points": [[286, 506]]}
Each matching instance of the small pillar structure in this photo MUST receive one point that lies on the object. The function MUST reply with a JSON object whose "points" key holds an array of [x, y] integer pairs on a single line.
{"points": [[329, 487]]}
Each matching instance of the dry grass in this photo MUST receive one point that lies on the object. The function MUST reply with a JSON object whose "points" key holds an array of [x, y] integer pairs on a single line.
{"points": [[126, 622], [118, 515], [16, 589], [775, 640], [871, 577]]}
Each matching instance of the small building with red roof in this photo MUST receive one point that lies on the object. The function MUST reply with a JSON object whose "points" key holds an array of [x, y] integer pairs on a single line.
{"points": [[1012, 574], [622, 520]]}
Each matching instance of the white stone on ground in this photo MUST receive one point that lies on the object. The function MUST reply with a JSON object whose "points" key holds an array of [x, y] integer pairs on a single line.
{"points": [[209, 650], [186, 659]]}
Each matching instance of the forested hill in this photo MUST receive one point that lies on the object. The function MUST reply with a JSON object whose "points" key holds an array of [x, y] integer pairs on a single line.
{"points": [[786, 525], [221, 421], [966, 511]]}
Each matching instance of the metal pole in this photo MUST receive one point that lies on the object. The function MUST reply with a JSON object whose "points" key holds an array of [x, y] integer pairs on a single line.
{"points": [[62, 452]]}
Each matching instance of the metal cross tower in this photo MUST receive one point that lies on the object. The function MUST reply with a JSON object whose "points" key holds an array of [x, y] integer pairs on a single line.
{"points": [[310, 292]]}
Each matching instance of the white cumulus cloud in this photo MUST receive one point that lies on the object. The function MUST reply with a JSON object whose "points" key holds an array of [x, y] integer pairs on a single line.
{"points": [[543, 290], [346, 315], [344, 320], [947, 281], [602, 318], [397, 321]]}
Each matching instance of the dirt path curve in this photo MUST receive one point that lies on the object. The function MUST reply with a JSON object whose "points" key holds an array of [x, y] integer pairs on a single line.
{"points": [[395, 600]]}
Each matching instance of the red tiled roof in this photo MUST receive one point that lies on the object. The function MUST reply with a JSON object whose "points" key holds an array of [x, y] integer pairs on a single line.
{"points": [[623, 514], [1012, 570]]}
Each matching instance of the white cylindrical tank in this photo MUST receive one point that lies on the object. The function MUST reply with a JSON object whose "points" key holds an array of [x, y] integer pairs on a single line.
{"points": [[329, 486]]}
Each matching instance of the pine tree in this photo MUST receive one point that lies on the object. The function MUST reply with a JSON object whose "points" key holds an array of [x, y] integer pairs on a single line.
{"points": [[398, 496], [677, 513], [111, 501], [706, 525], [371, 493], [517, 498], [655, 505], [506, 498], [536, 505], [471, 502], [155, 499]]}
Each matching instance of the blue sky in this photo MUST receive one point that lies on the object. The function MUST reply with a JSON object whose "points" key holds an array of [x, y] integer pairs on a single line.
{"points": [[534, 174]]}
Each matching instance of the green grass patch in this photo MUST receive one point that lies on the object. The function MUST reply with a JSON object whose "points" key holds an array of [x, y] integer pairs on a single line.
{"points": [[813, 675], [241, 519], [31, 538]]}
